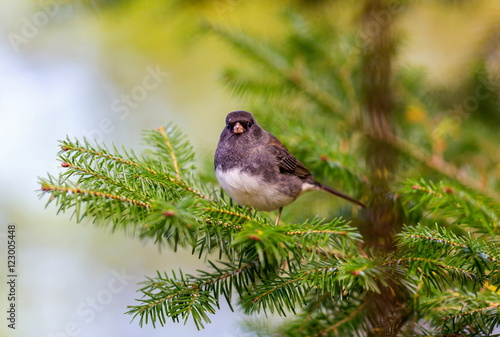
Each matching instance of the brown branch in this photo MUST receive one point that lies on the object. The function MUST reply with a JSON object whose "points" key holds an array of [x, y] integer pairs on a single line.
{"points": [[210, 209], [325, 252], [444, 266], [344, 320], [258, 298], [171, 149], [75, 190], [472, 312], [430, 238], [177, 181], [326, 231], [194, 286], [332, 269], [231, 273], [99, 154], [450, 243], [435, 163], [102, 177]]}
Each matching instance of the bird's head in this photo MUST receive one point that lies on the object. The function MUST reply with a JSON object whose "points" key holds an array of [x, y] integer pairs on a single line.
{"points": [[240, 122]]}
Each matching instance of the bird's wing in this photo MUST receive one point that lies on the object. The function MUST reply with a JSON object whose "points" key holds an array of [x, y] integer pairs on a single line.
{"points": [[288, 163]]}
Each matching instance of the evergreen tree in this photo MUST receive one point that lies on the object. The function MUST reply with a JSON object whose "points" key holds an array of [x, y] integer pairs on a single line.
{"points": [[423, 259]]}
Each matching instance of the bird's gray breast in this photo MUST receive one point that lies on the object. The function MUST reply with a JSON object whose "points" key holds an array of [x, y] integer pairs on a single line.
{"points": [[250, 174], [248, 189]]}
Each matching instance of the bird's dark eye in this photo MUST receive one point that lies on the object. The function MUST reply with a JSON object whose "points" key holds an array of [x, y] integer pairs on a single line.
{"points": [[249, 124], [228, 126]]}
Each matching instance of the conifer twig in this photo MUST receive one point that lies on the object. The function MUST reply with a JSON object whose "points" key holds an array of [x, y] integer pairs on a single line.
{"points": [[346, 319], [172, 153], [48, 187]]}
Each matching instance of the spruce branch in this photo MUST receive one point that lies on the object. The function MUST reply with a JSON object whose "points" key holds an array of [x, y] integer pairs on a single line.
{"points": [[463, 205], [51, 188], [347, 319], [274, 269], [445, 243], [441, 257], [191, 296], [463, 313], [157, 195], [274, 244], [170, 151], [335, 278], [102, 204]]}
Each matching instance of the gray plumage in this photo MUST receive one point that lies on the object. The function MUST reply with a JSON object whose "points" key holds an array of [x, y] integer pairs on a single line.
{"points": [[257, 170]]}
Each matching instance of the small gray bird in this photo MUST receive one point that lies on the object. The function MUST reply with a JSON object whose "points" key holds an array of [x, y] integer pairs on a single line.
{"points": [[256, 170]]}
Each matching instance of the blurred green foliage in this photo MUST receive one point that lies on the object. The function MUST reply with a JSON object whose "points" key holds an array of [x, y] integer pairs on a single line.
{"points": [[329, 78]]}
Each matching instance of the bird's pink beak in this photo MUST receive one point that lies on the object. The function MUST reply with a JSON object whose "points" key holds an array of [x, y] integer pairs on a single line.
{"points": [[238, 128]]}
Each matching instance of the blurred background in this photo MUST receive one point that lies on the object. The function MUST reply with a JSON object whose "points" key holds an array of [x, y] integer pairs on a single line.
{"points": [[108, 69]]}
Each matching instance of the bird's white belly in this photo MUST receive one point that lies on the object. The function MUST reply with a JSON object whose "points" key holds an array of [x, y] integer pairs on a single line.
{"points": [[250, 190]]}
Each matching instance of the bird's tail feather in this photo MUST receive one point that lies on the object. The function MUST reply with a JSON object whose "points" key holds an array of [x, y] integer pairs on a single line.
{"points": [[340, 194]]}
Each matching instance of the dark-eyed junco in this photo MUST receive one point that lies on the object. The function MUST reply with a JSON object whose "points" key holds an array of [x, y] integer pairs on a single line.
{"points": [[256, 170]]}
